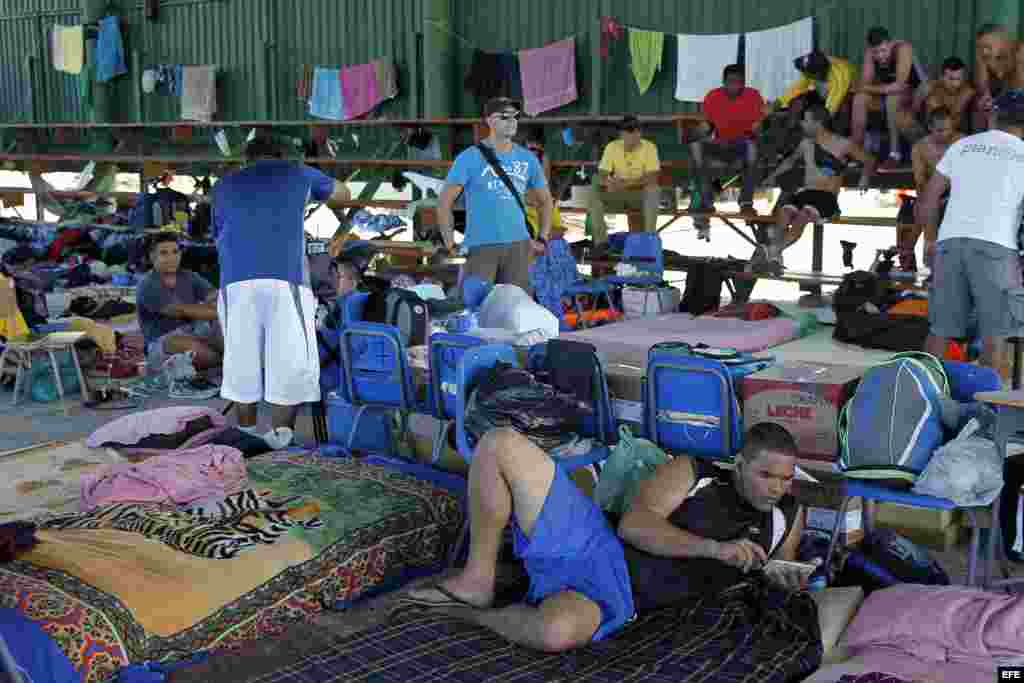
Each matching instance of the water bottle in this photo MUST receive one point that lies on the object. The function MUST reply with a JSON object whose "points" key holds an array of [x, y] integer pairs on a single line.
{"points": [[158, 215]]}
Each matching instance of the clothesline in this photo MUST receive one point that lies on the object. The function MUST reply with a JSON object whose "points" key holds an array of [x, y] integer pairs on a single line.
{"points": [[440, 26]]}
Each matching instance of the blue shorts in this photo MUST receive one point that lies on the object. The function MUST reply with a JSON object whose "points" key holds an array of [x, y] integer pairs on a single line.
{"points": [[573, 548]]}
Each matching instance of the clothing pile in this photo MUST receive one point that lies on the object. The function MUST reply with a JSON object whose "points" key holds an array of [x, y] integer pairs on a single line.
{"points": [[348, 92]]}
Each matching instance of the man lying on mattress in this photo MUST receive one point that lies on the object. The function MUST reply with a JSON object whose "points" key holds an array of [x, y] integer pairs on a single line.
{"points": [[691, 529]]}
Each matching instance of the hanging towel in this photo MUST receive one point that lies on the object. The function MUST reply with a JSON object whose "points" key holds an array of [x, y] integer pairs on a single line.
{"points": [[70, 53], [325, 101], [198, 93], [168, 79], [85, 88], [387, 78], [56, 49], [701, 61], [549, 76], [304, 86], [359, 89], [485, 78], [646, 48], [770, 55], [511, 76], [109, 50]]}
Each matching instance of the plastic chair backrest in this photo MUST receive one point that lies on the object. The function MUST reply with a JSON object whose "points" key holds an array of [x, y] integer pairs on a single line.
{"points": [[474, 290], [643, 249], [445, 352], [690, 406], [968, 379], [473, 365], [352, 307], [374, 366], [600, 425]]}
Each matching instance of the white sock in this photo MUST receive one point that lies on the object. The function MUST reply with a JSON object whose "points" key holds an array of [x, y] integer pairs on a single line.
{"points": [[254, 430]]}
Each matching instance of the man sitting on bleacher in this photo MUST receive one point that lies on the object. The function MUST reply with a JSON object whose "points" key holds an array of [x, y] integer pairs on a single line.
{"points": [[825, 157], [692, 529], [177, 309]]}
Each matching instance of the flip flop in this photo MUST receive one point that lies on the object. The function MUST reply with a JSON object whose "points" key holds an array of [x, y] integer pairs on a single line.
{"points": [[451, 600]]}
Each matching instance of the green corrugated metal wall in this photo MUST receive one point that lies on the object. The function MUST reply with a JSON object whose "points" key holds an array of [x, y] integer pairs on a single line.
{"points": [[938, 28], [260, 43]]}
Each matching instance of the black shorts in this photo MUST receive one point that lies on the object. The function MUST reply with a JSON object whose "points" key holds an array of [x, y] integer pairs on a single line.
{"points": [[826, 203]]}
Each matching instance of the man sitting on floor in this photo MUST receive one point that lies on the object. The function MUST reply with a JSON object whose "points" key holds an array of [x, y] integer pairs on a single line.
{"points": [[734, 114], [691, 530], [825, 157], [627, 180], [889, 81], [177, 310], [953, 92]]}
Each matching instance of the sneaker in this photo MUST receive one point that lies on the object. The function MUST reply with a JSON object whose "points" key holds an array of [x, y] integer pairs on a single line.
{"points": [[197, 389]]}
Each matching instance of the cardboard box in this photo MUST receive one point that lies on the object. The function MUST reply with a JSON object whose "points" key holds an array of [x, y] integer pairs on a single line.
{"points": [[909, 517], [805, 399]]}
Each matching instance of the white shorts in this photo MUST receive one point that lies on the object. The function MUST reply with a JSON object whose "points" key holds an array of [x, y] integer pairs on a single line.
{"points": [[270, 350]]}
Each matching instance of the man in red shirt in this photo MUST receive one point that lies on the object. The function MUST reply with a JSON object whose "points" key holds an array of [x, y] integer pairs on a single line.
{"points": [[728, 137]]}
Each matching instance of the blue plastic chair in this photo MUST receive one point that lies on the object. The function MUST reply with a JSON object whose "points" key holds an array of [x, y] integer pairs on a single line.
{"points": [[690, 406], [554, 275], [966, 380], [446, 350], [474, 364], [375, 371], [353, 307], [600, 427], [643, 250]]}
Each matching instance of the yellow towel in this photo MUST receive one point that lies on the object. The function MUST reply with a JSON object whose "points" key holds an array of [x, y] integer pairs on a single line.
{"points": [[72, 48], [646, 48]]}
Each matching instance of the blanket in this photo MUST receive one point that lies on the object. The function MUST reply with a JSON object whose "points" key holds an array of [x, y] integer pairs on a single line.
{"points": [[750, 633], [110, 596]]}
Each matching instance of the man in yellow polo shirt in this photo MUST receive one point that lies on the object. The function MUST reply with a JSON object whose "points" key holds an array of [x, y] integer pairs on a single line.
{"points": [[627, 180]]}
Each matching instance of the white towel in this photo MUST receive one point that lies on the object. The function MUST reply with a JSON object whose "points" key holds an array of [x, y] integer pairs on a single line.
{"points": [[198, 93], [701, 60], [770, 55]]}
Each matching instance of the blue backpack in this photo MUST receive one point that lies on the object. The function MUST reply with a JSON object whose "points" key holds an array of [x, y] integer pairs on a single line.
{"points": [[894, 422]]}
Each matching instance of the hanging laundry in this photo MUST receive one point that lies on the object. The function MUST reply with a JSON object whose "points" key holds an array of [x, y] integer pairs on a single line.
{"points": [[387, 78], [359, 89], [69, 48], [304, 86], [610, 30], [645, 48], [511, 75], [770, 55], [198, 93], [485, 79], [85, 87], [701, 61], [548, 76], [325, 100], [110, 50]]}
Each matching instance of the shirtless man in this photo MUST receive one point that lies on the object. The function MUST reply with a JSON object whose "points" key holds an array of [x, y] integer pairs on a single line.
{"points": [[825, 157], [952, 92], [942, 133], [889, 80], [998, 69]]}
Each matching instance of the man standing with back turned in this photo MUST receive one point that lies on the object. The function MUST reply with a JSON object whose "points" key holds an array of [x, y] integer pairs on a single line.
{"points": [[497, 237], [266, 305]]}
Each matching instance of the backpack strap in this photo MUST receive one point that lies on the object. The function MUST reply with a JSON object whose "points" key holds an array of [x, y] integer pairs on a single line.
{"points": [[492, 159]]}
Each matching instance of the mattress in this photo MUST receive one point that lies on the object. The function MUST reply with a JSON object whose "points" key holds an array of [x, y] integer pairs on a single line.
{"points": [[109, 597], [820, 347], [629, 341]]}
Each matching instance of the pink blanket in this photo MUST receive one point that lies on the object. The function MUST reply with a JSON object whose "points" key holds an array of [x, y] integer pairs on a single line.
{"points": [[945, 624], [180, 477], [549, 76], [359, 89], [629, 341]]}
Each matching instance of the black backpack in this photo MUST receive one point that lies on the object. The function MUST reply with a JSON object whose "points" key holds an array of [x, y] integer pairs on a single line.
{"points": [[410, 314], [856, 325]]}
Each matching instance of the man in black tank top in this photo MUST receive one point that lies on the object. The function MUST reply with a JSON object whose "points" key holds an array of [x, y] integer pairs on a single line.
{"points": [[692, 529], [889, 79]]}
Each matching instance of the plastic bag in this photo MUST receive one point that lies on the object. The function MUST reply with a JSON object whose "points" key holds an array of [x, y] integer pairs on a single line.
{"points": [[631, 461], [967, 470]]}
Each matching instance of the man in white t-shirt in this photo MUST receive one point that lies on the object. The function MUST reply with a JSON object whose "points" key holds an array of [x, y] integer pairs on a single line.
{"points": [[976, 259]]}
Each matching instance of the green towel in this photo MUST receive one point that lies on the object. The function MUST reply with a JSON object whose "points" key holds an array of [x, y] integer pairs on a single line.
{"points": [[85, 86], [646, 48]]}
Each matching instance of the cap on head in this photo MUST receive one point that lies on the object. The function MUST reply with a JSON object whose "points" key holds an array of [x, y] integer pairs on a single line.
{"points": [[629, 123], [878, 35], [265, 146], [814, 64], [498, 105]]}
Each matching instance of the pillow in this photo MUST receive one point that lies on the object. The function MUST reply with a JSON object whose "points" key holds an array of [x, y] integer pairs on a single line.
{"points": [[131, 429], [836, 608]]}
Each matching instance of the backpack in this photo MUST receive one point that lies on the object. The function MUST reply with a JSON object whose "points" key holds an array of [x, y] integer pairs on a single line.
{"points": [[631, 461], [894, 422], [887, 559], [410, 314]]}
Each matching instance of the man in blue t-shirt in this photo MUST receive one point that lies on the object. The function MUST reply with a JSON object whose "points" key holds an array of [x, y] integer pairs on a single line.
{"points": [[497, 237], [266, 305]]}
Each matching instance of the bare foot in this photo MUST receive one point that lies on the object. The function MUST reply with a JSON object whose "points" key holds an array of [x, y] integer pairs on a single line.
{"points": [[454, 592]]}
